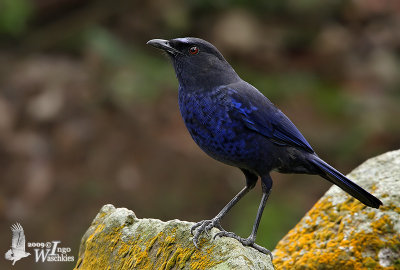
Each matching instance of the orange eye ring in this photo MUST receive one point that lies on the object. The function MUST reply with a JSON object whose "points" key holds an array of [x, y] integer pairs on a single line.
{"points": [[193, 50]]}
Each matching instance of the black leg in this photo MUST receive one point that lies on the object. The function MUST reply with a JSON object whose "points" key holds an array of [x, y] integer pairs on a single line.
{"points": [[266, 184], [207, 225]]}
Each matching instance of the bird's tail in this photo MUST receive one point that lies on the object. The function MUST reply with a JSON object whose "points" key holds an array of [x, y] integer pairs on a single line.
{"points": [[335, 177]]}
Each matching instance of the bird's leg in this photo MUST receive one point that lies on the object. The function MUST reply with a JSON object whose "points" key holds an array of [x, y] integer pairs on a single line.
{"points": [[266, 184], [207, 225]]}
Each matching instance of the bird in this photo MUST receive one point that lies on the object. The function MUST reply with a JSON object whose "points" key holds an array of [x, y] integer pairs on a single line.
{"points": [[17, 250], [234, 123]]}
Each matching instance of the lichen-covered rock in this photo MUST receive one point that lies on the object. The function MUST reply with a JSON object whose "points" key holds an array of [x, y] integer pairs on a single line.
{"points": [[117, 239], [341, 233]]}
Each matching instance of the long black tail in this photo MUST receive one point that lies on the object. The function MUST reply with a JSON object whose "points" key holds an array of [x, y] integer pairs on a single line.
{"points": [[335, 177]]}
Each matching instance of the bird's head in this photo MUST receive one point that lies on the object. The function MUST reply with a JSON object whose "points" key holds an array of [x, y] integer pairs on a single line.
{"points": [[196, 62]]}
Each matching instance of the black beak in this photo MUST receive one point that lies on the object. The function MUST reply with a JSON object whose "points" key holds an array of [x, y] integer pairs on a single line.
{"points": [[163, 45]]}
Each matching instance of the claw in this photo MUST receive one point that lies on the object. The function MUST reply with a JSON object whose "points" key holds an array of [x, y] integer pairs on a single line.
{"points": [[219, 234], [262, 250], [195, 243], [203, 226], [245, 242], [215, 236], [195, 226], [207, 225], [228, 234]]}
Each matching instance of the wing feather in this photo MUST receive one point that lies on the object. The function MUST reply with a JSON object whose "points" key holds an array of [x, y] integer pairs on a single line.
{"points": [[18, 237], [260, 115]]}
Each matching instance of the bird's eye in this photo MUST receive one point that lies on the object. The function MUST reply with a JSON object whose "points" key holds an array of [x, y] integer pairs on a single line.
{"points": [[193, 50]]}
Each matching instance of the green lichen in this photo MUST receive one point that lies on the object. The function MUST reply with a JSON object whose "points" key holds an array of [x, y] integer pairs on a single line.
{"points": [[105, 249]]}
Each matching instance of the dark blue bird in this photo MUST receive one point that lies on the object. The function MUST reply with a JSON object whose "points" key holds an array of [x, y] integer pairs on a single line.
{"points": [[234, 123]]}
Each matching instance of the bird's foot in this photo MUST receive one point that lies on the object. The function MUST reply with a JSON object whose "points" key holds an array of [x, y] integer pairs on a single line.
{"points": [[204, 226], [248, 242]]}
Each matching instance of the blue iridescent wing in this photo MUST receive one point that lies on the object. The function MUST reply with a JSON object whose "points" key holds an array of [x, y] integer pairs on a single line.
{"points": [[260, 115]]}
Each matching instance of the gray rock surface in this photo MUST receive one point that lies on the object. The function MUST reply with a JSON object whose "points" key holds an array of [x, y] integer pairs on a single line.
{"points": [[117, 239]]}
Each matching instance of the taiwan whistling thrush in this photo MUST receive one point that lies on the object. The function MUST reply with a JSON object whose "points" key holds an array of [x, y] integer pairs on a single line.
{"points": [[234, 123]]}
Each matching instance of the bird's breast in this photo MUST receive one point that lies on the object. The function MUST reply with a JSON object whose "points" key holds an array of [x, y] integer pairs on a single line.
{"points": [[206, 116]]}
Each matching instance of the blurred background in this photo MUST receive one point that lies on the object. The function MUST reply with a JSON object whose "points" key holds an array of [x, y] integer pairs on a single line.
{"points": [[89, 114]]}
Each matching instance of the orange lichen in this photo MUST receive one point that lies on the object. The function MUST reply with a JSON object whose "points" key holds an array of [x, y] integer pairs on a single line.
{"points": [[329, 238]]}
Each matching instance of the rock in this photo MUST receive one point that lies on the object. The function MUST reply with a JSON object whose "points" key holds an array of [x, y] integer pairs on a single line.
{"points": [[117, 239], [341, 233]]}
